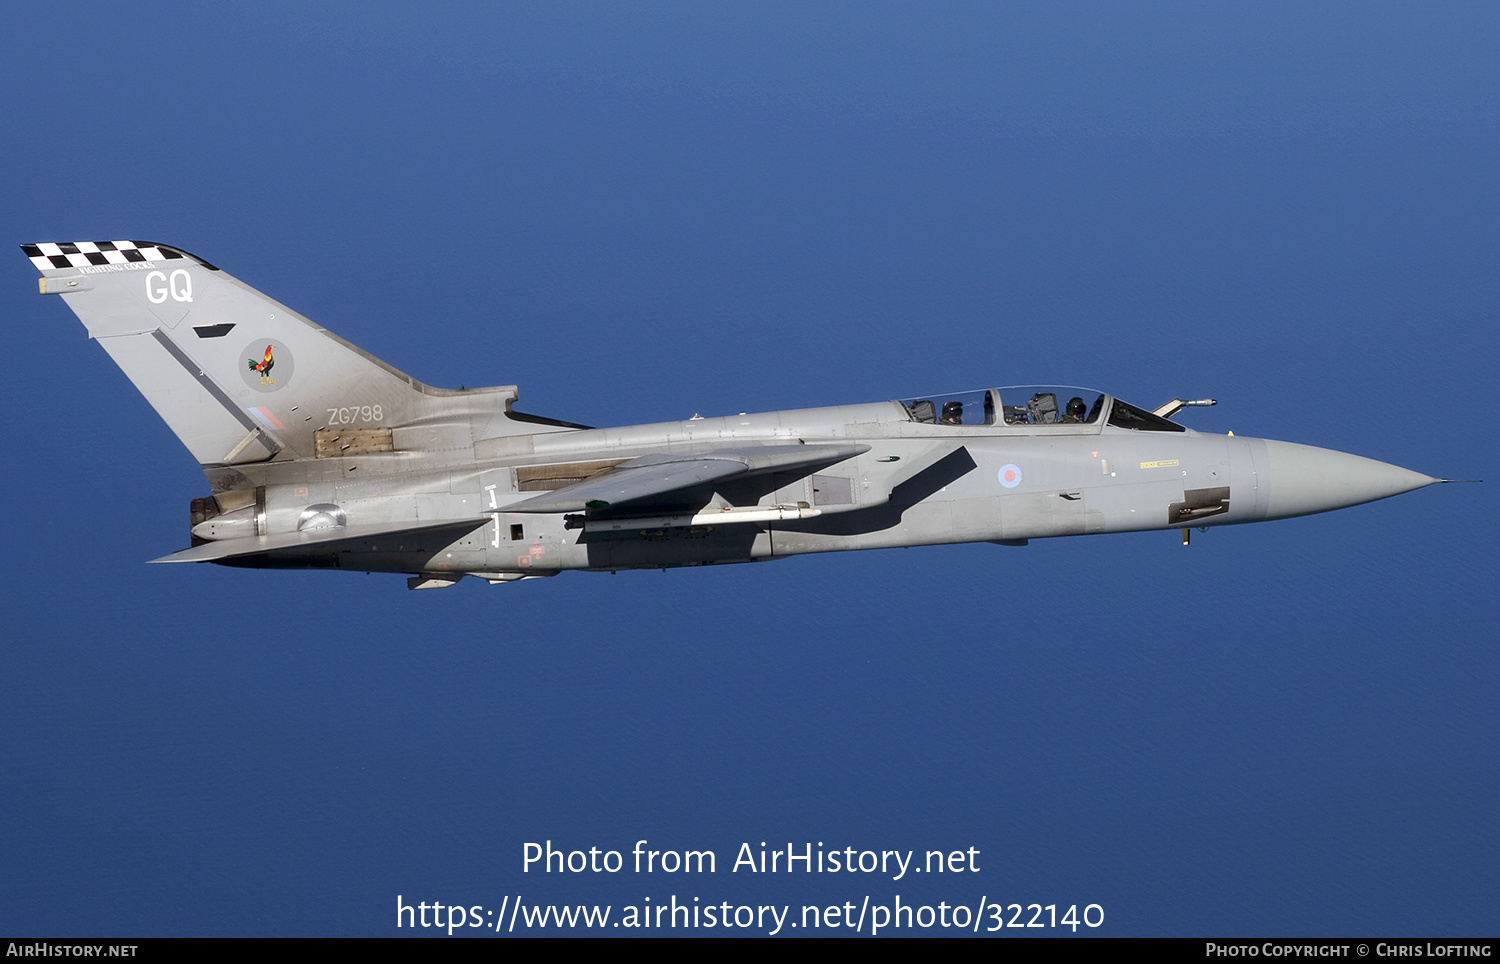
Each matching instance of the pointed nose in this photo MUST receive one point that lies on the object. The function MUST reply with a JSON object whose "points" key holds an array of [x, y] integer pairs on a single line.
{"points": [[1304, 480]]}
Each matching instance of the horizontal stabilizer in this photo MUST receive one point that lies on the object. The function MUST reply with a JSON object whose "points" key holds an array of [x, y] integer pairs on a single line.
{"points": [[259, 545], [657, 475]]}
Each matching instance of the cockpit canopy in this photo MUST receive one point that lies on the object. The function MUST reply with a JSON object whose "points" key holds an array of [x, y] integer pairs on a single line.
{"points": [[1033, 405]]}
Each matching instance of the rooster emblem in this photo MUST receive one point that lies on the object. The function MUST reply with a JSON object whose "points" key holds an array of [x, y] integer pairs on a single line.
{"points": [[264, 367]]}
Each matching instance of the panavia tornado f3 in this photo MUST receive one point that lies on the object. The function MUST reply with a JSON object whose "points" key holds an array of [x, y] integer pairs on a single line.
{"points": [[320, 456]]}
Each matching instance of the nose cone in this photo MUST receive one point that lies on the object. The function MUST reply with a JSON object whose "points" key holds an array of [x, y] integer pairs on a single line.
{"points": [[1304, 480]]}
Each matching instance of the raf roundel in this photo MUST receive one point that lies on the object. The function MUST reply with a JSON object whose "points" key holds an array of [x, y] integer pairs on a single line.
{"points": [[266, 365], [1010, 475]]}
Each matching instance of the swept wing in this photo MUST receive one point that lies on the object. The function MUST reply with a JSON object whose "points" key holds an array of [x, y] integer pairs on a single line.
{"points": [[652, 477]]}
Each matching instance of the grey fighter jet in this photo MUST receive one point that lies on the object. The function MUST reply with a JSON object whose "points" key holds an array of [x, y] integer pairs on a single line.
{"points": [[320, 456]]}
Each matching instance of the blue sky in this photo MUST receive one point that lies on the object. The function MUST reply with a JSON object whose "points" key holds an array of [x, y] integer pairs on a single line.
{"points": [[642, 212]]}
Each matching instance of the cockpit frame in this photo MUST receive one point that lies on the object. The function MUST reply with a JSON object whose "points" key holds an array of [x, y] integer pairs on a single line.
{"points": [[1029, 410]]}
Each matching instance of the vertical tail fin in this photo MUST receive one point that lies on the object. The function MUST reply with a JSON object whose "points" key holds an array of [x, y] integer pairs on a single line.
{"points": [[239, 377]]}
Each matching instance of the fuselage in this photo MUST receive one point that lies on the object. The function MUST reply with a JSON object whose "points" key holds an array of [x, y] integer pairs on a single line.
{"points": [[917, 483]]}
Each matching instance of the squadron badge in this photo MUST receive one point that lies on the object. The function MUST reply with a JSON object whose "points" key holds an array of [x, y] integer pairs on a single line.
{"points": [[267, 365]]}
